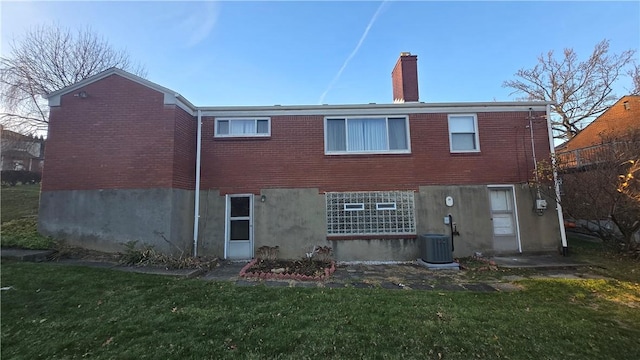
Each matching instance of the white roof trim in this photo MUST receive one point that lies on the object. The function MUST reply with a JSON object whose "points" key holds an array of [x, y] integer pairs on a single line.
{"points": [[372, 109], [173, 98], [170, 97]]}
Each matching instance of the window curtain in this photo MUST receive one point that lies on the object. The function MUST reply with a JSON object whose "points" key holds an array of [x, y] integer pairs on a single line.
{"points": [[223, 127], [243, 127], [336, 135], [397, 134], [367, 134]]}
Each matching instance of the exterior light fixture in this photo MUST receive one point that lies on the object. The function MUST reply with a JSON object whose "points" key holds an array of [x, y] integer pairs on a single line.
{"points": [[263, 198], [82, 94]]}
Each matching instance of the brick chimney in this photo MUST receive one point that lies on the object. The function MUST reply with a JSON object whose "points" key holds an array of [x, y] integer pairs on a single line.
{"points": [[405, 78]]}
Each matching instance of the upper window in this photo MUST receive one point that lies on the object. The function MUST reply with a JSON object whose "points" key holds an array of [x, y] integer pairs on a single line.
{"points": [[243, 127], [463, 133], [367, 135]]}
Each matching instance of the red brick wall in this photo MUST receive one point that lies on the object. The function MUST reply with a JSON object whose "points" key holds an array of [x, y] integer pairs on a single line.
{"points": [[294, 157], [404, 78], [184, 160], [120, 137]]}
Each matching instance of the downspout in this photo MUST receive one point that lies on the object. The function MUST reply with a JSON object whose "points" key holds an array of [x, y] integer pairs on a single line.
{"points": [[563, 234], [533, 151], [196, 211]]}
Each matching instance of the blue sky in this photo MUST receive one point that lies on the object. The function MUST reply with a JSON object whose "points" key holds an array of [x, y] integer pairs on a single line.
{"points": [[335, 52]]}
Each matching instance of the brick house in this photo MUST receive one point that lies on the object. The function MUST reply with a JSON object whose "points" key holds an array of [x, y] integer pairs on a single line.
{"points": [[611, 128], [20, 152], [145, 164], [593, 160]]}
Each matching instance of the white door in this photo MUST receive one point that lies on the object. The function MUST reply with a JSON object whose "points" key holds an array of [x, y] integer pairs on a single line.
{"points": [[239, 227], [505, 227]]}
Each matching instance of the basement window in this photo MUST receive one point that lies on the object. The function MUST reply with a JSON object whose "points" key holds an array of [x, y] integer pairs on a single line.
{"points": [[370, 213], [245, 127]]}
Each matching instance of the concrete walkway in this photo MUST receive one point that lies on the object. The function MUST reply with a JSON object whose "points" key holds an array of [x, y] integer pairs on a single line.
{"points": [[398, 276]]}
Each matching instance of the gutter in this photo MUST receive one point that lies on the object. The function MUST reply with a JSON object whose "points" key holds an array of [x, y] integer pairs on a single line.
{"points": [[563, 234], [196, 211]]}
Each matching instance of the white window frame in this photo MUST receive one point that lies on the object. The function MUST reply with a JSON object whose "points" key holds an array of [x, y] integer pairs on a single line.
{"points": [[385, 117], [386, 206], [255, 119], [475, 128], [353, 206], [371, 220]]}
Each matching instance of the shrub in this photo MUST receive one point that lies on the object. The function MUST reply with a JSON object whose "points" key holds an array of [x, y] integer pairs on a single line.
{"points": [[23, 233], [12, 177], [267, 252]]}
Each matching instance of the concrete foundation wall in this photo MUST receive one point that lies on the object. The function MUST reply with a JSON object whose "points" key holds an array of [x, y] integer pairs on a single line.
{"points": [[293, 219], [105, 219], [211, 224], [470, 212], [375, 250], [538, 233]]}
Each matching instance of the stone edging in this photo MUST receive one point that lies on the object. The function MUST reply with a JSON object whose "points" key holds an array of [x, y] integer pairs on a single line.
{"points": [[263, 275]]}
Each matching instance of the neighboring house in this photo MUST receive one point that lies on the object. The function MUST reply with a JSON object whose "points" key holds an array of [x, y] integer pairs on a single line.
{"points": [[128, 159], [21, 152], [610, 131], [599, 149]]}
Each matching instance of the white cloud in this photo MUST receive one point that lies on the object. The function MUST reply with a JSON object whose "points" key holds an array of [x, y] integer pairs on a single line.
{"points": [[353, 53], [199, 24]]}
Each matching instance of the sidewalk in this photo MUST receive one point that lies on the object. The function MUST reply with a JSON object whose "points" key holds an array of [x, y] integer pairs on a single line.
{"points": [[397, 276]]}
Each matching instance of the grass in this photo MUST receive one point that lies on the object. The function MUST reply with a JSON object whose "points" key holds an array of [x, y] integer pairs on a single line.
{"points": [[23, 233], [603, 261], [19, 201], [56, 311]]}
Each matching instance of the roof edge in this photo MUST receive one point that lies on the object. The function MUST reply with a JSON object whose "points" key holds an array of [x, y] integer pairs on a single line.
{"points": [[170, 97]]}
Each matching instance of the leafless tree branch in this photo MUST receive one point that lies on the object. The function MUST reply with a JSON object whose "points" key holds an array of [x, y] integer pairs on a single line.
{"points": [[581, 90], [48, 58]]}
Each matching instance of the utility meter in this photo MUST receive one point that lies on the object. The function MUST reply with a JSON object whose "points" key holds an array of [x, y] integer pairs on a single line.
{"points": [[449, 201]]}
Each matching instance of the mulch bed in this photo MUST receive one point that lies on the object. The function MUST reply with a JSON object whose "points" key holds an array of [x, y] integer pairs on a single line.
{"points": [[304, 270]]}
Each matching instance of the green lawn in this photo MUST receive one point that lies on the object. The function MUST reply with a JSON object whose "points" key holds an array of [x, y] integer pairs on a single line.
{"points": [[19, 201], [58, 311]]}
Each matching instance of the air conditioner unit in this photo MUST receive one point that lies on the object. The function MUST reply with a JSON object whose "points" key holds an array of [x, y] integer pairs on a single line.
{"points": [[436, 248]]}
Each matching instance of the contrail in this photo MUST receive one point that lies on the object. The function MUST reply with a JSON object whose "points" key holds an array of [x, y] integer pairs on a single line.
{"points": [[353, 53]]}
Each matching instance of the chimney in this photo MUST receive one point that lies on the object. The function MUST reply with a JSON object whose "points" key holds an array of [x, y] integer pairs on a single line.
{"points": [[405, 78]]}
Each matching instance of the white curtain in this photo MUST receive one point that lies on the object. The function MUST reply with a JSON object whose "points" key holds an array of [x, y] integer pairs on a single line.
{"points": [[336, 135], [243, 127], [397, 134], [367, 134]]}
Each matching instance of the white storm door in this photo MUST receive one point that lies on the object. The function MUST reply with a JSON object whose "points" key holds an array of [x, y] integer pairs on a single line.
{"points": [[239, 227], [503, 215]]}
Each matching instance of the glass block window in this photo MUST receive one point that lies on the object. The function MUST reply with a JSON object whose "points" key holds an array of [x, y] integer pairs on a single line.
{"points": [[370, 213]]}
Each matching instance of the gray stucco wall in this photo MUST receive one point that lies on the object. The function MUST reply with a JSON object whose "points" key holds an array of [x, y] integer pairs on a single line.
{"points": [[470, 212], [538, 233], [293, 219], [105, 219], [211, 224]]}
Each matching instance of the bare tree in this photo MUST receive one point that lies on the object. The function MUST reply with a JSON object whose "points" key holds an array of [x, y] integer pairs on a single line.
{"points": [[48, 58], [634, 73], [601, 188], [581, 90]]}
